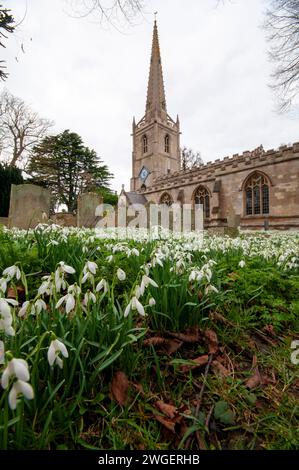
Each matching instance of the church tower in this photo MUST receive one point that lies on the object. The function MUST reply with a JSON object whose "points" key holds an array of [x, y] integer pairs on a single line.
{"points": [[156, 137]]}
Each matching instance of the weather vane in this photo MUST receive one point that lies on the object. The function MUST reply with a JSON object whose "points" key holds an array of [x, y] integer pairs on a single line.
{"points": [[155, 15]]}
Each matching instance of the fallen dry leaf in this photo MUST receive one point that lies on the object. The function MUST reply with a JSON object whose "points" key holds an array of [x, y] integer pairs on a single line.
{"points": [[154, 341], [167, 423], [172, 345], [119, 387], [217, 367], [169, 410], [212, 341], [255, 379], [197, 362], [191, 335]]}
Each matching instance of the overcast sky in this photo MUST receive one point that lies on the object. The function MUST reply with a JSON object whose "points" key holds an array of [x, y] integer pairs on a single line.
{"points": [[90, 78]]}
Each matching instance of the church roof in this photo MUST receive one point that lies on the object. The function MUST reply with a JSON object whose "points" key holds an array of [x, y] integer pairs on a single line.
{"points": [[135, 198]]}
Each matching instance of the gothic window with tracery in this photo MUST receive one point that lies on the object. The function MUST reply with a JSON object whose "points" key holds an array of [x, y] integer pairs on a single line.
{"points": [[166, 143], [257, 195], [144, 144], [166, 199], [201, 196]]}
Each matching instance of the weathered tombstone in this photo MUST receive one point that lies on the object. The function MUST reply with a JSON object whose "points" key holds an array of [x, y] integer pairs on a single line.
{"points": [[233, 223], [266, 224], [29, 206], [87, 204]]}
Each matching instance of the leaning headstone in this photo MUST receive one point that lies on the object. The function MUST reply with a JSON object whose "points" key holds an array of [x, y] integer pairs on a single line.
{"points": [[29, 206], [86, 213], [233, 223]]}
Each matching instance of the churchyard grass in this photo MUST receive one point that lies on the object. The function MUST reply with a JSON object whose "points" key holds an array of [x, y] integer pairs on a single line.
{"points": [[130, 342]]}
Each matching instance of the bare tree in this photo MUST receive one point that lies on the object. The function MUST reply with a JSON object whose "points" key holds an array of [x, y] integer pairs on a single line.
{"points": [[20, 129], [6, 26], [112, 11], [190, 159], [282, 26]]}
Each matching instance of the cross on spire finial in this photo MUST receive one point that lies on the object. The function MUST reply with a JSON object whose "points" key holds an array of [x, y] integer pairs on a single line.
{"points": [[155, 15]]}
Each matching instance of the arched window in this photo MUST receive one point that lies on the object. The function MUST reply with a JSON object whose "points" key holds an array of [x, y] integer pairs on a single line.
{"points": [[166, 143], [166, 199], [257, 195], [144, 144], [202, 196]]}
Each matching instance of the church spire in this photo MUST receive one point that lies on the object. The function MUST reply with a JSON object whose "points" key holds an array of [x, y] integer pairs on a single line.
{"points": [[156, 101]]}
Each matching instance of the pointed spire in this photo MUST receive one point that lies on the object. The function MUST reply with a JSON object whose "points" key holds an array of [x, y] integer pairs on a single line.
{"points": [[156, 101]]}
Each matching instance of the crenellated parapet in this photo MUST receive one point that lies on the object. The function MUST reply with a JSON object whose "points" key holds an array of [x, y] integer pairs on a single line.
{"points": [[220, 167]]}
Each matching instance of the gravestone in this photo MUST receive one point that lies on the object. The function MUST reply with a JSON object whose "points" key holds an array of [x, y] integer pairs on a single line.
{"points": [[29, 206], [87, 204], [233, 223]]}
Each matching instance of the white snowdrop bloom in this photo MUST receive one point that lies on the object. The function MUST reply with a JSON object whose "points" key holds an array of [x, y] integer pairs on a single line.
{"points": [[19, 388], [2, 353], [102, 285], [46, 287], [56, 347], [148, 281], [6, 317], [15, 368], [66, 269], [242, 264], [25, 308], [109, 259], [69, 298], [210, 288], [151, 302], [134, 304], [89, 297], [135, 252], [3, 284], [53, 243], [69, 301], [11, 272], [121, 274], [40, 305], [92, 267]]}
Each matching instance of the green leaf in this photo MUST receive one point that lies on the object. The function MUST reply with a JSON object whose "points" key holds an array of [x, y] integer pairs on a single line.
{"points": [[223, 414]]}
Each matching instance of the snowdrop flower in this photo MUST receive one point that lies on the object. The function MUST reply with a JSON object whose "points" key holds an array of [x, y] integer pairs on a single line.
{"points": [[19, 388], [89, 297], [60, 273], [53, 243], [3, 284], [65, 268], [69, 298], [34, 308], [11, 272], [242, 264], [134, 304], [102, 285], [2, 353], [46, 287], [135, 252], [6, 317], [295, 354], [210, 288], [121, 274], [151, 302], [146, 281], [56, 347], [109, 259], [17, 369], [89, 271]]}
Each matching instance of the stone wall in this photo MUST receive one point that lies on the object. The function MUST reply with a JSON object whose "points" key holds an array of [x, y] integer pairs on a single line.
{"points": [[224, 180]]}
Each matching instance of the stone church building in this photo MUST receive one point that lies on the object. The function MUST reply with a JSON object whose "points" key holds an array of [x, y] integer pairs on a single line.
{"points": [[254, 190]]}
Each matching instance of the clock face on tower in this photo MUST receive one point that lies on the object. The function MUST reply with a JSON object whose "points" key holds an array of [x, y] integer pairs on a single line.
{"points": [[143, 174]]}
